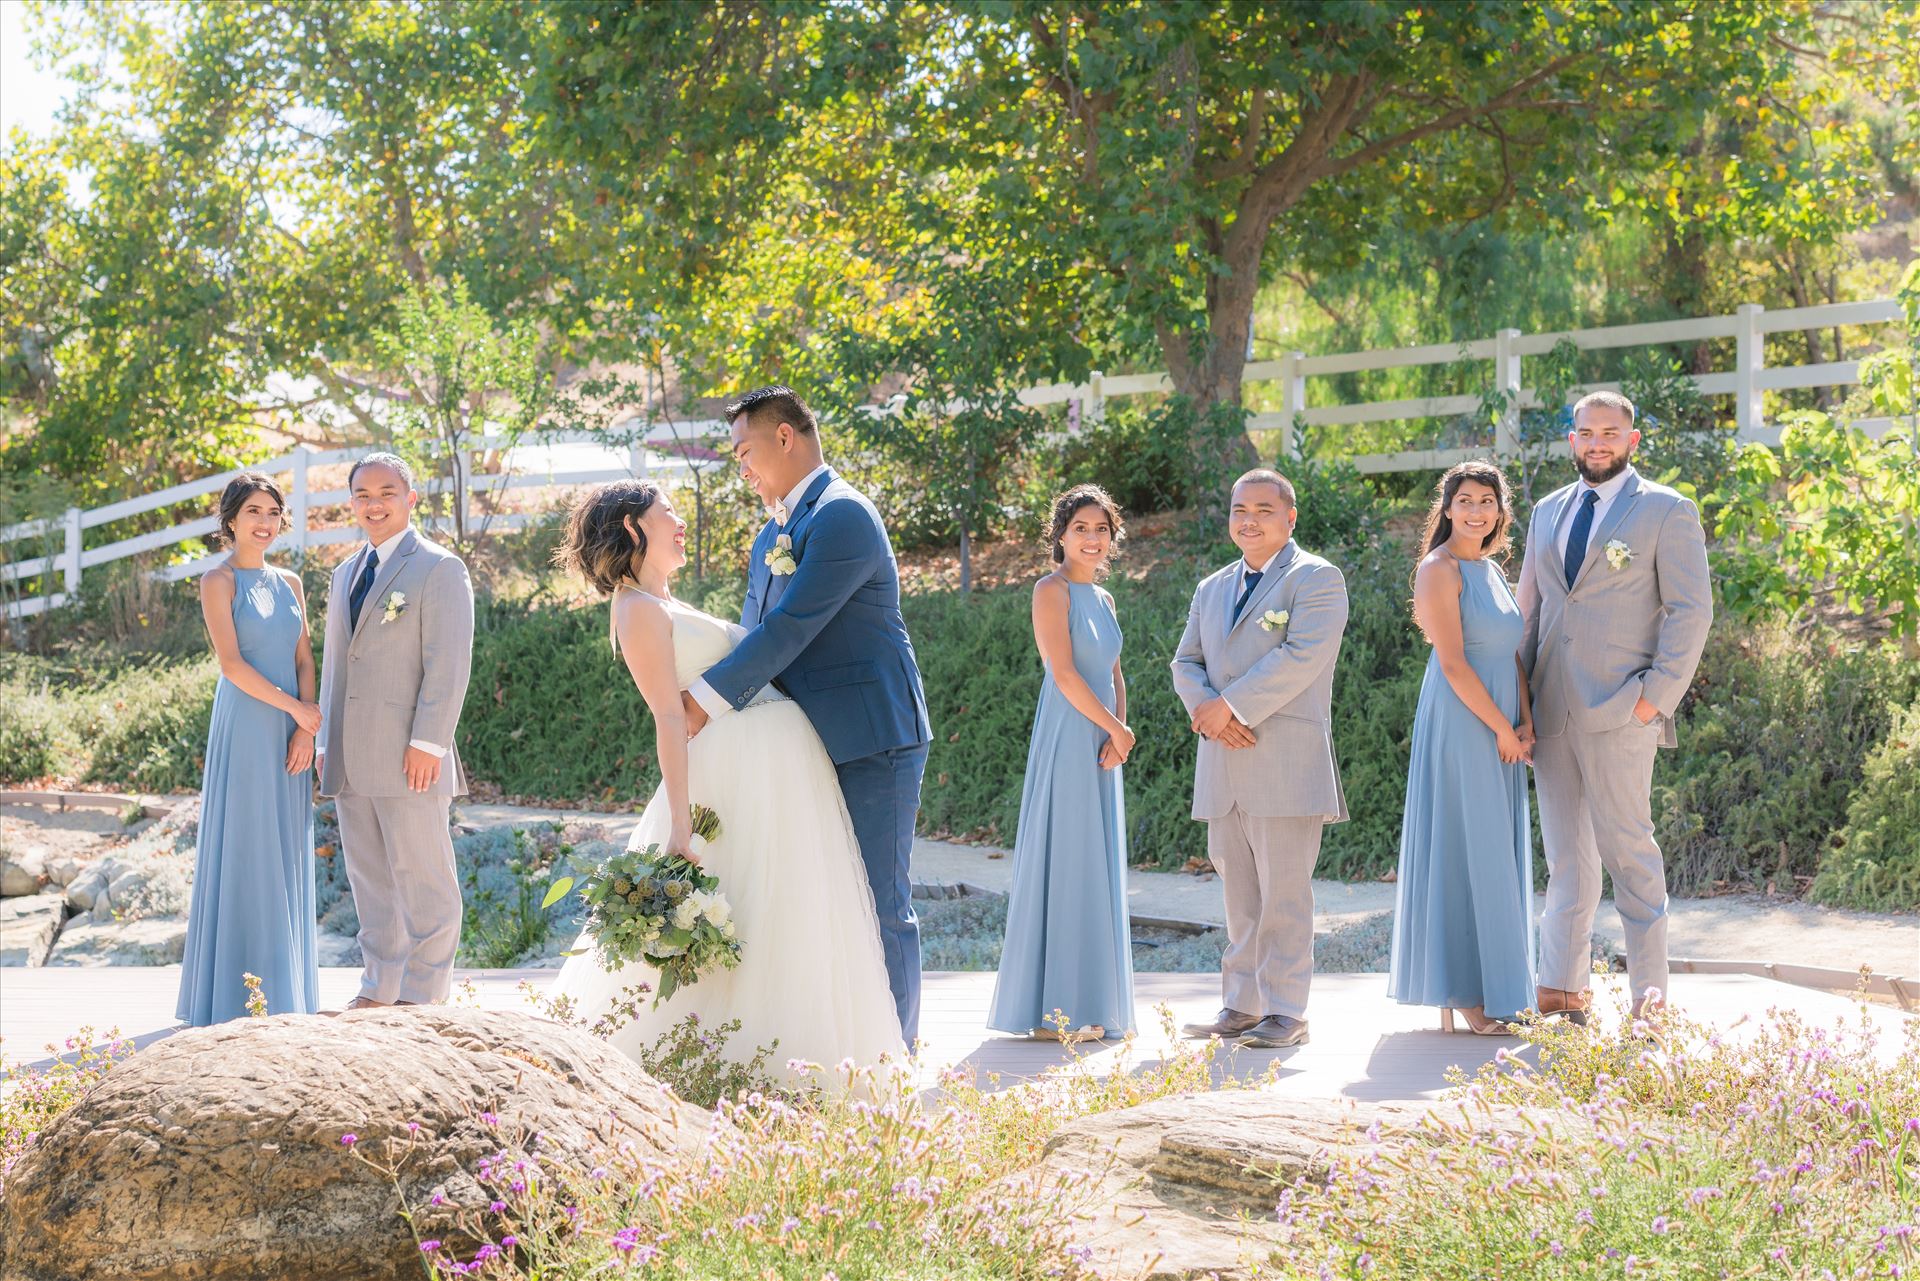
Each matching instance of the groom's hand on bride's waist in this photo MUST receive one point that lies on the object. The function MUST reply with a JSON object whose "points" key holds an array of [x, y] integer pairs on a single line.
{"points": [[696, 714]]}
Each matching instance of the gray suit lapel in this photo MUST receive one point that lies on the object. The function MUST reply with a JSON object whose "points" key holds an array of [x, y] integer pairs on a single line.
{"points": [[1547, 517], [381, 578], [1597, 545], [1269, 583]]}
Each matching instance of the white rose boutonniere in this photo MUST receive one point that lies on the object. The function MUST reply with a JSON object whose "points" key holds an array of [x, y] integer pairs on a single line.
{"points": [[780, 556], [396, 605], [1275, 620], [1618, 554]]}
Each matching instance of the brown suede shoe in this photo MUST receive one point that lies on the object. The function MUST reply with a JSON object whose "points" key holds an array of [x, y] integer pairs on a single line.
{"points": [[1550, 1002]]}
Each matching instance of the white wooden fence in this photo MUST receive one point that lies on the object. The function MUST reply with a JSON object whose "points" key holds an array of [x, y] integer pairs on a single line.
{"points": [[1747, 382]]}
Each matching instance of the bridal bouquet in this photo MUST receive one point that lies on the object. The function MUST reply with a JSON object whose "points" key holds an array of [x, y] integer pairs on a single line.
{"points": [[660, 909]]}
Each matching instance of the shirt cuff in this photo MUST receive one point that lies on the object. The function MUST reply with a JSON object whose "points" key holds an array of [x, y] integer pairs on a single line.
{"points": [[431, 749], [708, 698], [1236, 712]]}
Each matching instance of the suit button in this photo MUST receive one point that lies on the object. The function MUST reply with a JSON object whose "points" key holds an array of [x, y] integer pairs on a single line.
{"points": [[1566, 640]]}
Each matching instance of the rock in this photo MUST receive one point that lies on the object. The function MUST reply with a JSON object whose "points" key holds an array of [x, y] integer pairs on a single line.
{"points": [[216, 1152], [23, 870], [94, 941], [63, 871], [1188, 1185], [127, 882], [87, 888], [332, 949], [28, 925]]}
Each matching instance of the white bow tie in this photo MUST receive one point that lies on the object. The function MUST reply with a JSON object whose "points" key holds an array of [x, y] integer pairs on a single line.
{"points": [[780, 511]]}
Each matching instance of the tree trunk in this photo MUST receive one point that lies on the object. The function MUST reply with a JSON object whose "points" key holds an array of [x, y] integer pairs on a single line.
{"points": [[966, 559], [1215, 377]]}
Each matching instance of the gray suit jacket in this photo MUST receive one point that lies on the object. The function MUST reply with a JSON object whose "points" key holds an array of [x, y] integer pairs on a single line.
{"points": [[387, 682], [1593, 650], [1280, 681]]}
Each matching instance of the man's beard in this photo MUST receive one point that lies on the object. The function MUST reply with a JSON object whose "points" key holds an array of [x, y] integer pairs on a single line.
{"points": [[1592, 477]]}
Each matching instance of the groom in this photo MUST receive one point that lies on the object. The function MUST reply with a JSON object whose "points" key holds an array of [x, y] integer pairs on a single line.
{"points": [[398, 652], [823, 606], [1255, 670], [1617, 600]]}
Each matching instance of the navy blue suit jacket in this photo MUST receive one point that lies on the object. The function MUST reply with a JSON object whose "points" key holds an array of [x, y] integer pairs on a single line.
{"points": [[831, 632]]}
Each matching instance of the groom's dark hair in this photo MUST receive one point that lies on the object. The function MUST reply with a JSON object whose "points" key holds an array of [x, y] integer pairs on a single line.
{"points": [[771, 406]]}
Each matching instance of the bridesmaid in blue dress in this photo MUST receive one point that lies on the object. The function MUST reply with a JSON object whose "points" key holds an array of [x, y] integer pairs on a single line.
{"points": [[1066, 971], [1462, 936], [252, 910]]}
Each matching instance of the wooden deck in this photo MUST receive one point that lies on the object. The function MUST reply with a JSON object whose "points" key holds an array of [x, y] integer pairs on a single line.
{"points": [[1364, 1045]]}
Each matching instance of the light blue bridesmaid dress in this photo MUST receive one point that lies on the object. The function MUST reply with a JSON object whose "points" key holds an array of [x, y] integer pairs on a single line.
{"points": [[1462, 931], [1068, 946], [252, 910]]}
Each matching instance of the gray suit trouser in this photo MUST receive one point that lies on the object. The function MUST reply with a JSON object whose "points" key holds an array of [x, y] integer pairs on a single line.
{"points": [[1596, 810], [1266, 875], [399, 854]]}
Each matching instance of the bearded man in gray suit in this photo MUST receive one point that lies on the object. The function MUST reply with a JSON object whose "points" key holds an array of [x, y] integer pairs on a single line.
{"points": [[398, 652], [1255, 670], [1617, 602]]}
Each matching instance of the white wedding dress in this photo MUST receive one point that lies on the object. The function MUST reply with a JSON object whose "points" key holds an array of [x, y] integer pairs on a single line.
{"points": [[811, 972]]}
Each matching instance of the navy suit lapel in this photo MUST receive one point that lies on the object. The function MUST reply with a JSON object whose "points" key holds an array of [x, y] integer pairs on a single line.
{"points": [[795, 529], [759, 578]]}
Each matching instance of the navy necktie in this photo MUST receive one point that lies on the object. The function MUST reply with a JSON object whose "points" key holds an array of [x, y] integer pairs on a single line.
{"points": [[1253, 581], [361, 586], [1578, 535]]}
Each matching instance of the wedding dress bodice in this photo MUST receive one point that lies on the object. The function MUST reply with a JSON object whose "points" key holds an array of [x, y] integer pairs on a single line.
{"points": [[699, 641]]}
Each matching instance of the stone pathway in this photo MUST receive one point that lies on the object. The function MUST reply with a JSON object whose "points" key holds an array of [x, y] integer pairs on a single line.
{"points": [[1735, 927]]}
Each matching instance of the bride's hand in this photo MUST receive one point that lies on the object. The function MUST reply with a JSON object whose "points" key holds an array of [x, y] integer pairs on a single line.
{"points": [[680, 841]]}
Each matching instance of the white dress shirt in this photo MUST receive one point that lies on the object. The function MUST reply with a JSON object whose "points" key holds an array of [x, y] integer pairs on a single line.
{"points": [[1240, 585], [385, 552], [703, 693], [1608, 491]]}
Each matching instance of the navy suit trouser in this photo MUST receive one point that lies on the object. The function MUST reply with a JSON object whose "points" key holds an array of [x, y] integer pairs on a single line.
{"points": [[883, 798]]}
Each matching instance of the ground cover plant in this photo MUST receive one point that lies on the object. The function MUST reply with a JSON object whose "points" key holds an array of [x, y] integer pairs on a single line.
{"points": [[1783, 1148]]}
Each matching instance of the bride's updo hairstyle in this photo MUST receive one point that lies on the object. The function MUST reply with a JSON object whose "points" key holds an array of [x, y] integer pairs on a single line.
{"points": [[599, 547]]}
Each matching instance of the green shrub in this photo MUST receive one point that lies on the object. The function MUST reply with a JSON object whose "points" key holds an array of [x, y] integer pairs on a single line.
{"points": [[148, 726], [35, 737], [1772, 740], [1875, 861]]}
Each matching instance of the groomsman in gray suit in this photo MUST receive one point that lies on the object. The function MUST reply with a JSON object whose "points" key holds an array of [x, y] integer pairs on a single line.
{"points": [[398, 651], [1617, 600], [1255, 670]]}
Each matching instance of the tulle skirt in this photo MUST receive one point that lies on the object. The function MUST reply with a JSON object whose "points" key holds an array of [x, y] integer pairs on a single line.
{"points": [[812, 981]]}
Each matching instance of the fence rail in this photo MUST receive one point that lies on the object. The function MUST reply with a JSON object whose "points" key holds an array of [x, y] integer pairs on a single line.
{"points": [[1747, 382]]}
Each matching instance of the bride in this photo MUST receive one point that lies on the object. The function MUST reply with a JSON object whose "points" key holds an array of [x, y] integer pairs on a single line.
{"points": [[811, 975]]}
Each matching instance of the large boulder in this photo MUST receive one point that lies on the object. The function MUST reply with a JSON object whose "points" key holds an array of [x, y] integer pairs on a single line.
{"points": [[28, 925], [97, 939], [23, 869], [217, 1152], [1187, 1187]]}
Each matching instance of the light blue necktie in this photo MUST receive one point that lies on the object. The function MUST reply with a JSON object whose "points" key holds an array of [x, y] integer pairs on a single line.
{"points": [[1577, 536]]}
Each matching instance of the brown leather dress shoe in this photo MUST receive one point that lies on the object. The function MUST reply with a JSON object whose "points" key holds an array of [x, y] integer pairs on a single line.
{"points": [[1551, 1002], [1227, 1023]]}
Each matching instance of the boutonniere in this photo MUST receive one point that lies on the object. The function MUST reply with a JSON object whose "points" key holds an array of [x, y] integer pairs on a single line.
{"points": [[1618, 554], [780, 556], [396, 606], [1274, 619]]}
